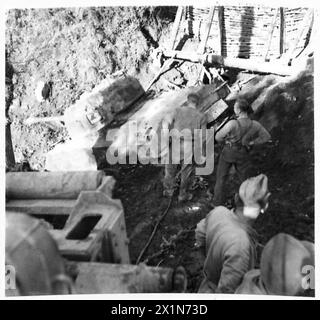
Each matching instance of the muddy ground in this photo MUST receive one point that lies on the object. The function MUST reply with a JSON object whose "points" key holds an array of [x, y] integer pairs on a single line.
{"points": [[72, 50], [140, 190]]}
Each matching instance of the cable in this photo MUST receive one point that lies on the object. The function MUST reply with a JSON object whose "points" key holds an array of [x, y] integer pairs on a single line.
{"points": [[154, 231]]}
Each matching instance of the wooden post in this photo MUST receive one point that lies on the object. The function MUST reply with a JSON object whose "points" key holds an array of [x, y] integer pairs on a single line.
{"points": [[282, 31], [300, 34], [301, 56], [271, 33], [220, 30], [204, 40], [176, 26]]}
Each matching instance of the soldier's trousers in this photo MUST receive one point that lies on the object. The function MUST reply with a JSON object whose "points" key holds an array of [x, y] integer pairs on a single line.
{"points": [[230, 156], [170, 173]]}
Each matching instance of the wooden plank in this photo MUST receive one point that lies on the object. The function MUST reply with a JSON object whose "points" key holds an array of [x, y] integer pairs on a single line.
{"points": [[220, 30], [309, 48], [216, 110], [202, 46], [300, 34], [210, 94], [282, 31], [271, 34], [176, 26]]}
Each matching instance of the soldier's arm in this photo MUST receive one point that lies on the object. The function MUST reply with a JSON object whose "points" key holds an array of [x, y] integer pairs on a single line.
{"points": [[204, 121], [224, 132], [236, 264], [262, 136]]}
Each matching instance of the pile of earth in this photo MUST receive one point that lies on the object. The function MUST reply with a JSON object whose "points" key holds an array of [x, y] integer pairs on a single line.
{"points": [[72, 50]]}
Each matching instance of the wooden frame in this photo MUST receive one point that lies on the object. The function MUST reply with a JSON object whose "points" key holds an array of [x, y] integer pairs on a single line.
{"points": [[282, 31], [202, 46]]}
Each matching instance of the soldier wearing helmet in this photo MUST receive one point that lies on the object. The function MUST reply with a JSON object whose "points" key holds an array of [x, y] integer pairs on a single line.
{"points": [[186, 121], [239, 136], [229, 239]]}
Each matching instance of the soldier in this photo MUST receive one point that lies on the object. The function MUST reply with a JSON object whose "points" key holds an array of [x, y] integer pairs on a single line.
{"points": [[281, 270], [239, 136], [186, 119], [228, 238]]}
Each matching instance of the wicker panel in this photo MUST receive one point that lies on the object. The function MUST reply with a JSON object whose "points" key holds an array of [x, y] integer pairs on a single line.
{"points": [[246, 30]]}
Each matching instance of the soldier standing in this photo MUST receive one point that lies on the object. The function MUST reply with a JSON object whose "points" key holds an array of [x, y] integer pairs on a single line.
{"points": [[186, 120], [238, 136]]}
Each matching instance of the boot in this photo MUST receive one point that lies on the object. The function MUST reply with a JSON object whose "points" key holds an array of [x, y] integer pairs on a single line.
{"points": [[184, 196]]}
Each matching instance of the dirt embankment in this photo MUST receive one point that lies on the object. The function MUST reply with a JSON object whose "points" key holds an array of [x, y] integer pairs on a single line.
{"points": [[72, 50]]}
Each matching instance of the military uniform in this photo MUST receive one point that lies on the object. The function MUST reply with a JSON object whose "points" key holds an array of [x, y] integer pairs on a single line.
{"points": [[238, 135], [185, 118], [230, 250]]}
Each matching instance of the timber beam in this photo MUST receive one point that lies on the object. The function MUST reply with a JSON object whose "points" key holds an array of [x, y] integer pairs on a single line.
{"points": [[244, 64]]}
